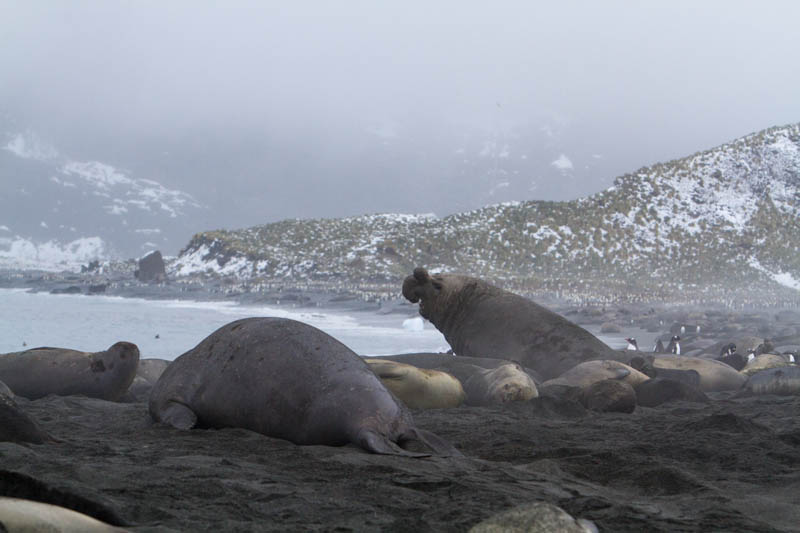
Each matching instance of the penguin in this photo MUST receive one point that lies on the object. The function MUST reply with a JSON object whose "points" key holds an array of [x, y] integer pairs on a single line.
{"points": [[659, 347], [674, 346], [632, 344], [729, 349], [751, 355]]}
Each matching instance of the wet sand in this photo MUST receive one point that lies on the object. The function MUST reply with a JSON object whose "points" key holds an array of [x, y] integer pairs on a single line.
{"points": [[729, 465]]}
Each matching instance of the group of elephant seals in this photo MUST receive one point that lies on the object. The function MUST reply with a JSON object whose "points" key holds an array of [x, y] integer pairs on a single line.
{"points": [[15, 424], [18, 515], [38, 372], [485, 381], [481, 320], [289, 380], [419, 388]]}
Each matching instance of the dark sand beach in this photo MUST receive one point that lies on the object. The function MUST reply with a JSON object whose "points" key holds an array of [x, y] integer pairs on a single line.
{"points": [[728, 465]]}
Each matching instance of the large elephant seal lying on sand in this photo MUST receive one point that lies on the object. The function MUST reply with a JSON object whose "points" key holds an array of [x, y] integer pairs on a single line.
{"points": [[783, 381], [289, 380], [41, 371], [28, 516], [481, 320], [586, 374], [419, 388]]}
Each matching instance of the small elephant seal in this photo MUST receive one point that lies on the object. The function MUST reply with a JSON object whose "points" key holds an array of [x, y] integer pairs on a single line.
{"points": [[504, 384], [644, 364], [763, 362], [147, 374], [609, 396], [38, 372], [538, 517], [419, 388], [657, 391], [590, 372], [289, 380], [735, 360], [17, 515], [481, 320], [15, 424], [714, 376], [782, 381]]}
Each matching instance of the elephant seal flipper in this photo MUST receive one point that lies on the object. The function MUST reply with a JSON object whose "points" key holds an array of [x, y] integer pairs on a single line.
{"points": [[178, 416], [620, 373]]}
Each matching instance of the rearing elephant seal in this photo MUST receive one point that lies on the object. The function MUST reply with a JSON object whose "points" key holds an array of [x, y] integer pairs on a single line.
{"points": [[41, 371], [481, 320], [289, 380]]}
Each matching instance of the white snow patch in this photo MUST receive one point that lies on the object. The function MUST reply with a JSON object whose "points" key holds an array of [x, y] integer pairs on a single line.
{"points": [[21, 253], [782, 278]]}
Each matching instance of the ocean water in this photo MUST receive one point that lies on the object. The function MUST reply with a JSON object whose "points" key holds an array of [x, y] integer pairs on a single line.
{"points": [[93, 323]]}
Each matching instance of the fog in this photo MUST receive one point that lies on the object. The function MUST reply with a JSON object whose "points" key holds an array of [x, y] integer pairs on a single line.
{"points": [[269, 110]]}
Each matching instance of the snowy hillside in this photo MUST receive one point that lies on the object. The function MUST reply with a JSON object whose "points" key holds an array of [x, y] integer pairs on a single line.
{"points": [[56, 212], [726, 217]]}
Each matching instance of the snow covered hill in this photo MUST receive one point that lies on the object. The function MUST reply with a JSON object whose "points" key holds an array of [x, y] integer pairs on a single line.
{"points": [[58, 213], [723, 219]]}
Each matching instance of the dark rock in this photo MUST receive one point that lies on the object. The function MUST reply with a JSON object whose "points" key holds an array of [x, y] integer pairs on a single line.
{"points": [[151, 268]]}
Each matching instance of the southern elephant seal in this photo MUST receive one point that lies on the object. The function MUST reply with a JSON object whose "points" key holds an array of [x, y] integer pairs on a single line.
{"points": [[645, 365], [15, 424], [763, 362], [656, 391], [41, 371], [783, 381], [485, 381], [419, 388], [609, 396], [504, 384], [460, 366], [481, 320], [714, 375], [147, 374], [18, 515], [590, 372], [289, 380]]}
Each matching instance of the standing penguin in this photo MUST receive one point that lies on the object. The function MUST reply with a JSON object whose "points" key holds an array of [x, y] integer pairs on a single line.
{"points": [[632, 344], [674, 346], [659, 347]]}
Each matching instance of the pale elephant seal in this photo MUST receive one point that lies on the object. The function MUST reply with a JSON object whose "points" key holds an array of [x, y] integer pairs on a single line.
{"points": [[18, 516], [538, 517], [460, 366], [763, 362], [782, 381], [289, 380], [590, 372], [714, 375], [419, 388], [481, 320], [15, 424], [504, 384], [41, 371]]}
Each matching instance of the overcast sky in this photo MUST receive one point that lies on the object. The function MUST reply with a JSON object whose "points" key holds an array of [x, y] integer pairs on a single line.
{"points": [[337, 108]]}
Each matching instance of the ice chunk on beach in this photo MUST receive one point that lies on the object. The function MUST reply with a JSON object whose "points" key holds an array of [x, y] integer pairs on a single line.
{"points": [[414, 324]]}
